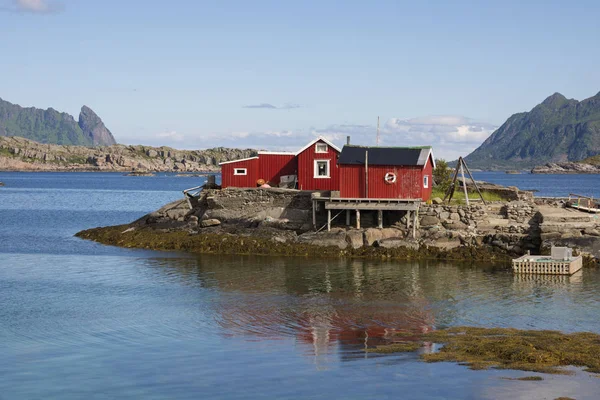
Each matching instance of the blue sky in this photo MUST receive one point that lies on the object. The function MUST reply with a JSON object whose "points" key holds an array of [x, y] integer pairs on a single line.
{"points": [[274, 74]]}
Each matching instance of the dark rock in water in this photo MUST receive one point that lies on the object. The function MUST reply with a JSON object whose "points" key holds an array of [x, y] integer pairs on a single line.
{"points": [[93, 127], [1, 184], [140, 173]]}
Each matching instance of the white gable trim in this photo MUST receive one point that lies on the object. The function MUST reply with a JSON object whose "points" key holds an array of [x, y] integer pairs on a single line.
{"points": [[424, 160], [277, 153], [320, 138], [241, 159]]}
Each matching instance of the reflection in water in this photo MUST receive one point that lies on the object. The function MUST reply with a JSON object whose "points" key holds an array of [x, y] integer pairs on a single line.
{"points": [[343, 306]]}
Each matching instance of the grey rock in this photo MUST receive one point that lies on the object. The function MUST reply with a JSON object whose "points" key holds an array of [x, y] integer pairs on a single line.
{"points": [[371, 236], [444, 243], [429, 221], [210, 222], [436, 200], [397, 243], [355, 238], [325, 239]]}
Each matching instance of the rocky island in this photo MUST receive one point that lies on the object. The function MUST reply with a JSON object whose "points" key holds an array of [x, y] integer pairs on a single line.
{"points": [[590, 165], [20, 154], [279, 222]]}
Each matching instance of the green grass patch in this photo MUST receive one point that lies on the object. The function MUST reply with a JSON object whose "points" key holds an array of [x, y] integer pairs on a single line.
{"points": [[4, 152], [459, 195], [595, 160]]}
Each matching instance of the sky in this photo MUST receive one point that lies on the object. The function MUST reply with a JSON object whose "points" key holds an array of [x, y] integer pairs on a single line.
{"points": [[273, 75]]}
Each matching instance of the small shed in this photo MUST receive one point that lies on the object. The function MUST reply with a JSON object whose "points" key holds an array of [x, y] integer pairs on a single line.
{"points": [[239, 173], [386, 172], [317, 166]]}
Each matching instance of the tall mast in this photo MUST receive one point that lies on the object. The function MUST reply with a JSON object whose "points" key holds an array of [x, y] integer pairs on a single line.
{"points": [[378, 131]]}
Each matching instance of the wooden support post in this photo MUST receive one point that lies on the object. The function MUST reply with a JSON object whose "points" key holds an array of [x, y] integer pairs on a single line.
{"points": [[474, 183], [415, 220], [314, 210], [328, 220], [347, 217], [366, 174], [380, 219], [450, 191], [357, 219], [407, 219], [464, 182]]}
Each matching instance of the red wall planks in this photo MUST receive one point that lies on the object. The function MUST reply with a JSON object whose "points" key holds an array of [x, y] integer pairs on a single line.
{"points": [[273, 166], [408, 185], [228, 177], [306, 169]]}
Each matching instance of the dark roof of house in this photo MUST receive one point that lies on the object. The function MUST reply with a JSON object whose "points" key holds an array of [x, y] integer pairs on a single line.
{"points": [[385, 155]]}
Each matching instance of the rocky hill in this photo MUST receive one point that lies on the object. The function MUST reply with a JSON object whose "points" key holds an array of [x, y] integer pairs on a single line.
{"points": [[19, 154], [555, 131], [51, 126]]}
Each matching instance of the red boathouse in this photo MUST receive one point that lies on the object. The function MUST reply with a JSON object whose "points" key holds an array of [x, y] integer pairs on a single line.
{"points": [[386, 172]]}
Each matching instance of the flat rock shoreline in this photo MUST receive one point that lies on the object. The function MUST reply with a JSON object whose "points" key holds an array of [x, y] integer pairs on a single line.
{"points": [[566, 168], [279, 222]]}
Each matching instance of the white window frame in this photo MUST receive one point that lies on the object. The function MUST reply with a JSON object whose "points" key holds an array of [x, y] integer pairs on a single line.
{"points": [[321, 151], [426, 181], [240, 171], [316, 169]]}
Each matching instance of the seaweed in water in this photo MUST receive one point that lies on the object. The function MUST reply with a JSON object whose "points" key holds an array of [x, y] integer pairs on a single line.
{"points": [[507, 348]]}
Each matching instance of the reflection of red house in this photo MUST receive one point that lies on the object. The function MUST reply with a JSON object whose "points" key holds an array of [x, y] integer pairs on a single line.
{"points": [[315, 166], [391, 172]]}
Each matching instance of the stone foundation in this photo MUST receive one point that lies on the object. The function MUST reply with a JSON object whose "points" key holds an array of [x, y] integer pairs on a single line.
{"points": [[285, 216]]}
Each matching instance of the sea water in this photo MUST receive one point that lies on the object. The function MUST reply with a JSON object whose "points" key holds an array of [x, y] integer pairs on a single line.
{"points": [[82, 320]]}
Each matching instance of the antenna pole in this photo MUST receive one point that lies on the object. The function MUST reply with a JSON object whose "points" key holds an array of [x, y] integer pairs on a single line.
{"points": [[377, 130]]}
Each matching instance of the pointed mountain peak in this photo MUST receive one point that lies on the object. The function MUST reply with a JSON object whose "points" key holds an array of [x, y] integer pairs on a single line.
{"points": [[556, 100], [93, 127]]}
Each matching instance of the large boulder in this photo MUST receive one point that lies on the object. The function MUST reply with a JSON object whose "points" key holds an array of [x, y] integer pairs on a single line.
{"points": [[355, 238], [429, 220], [324, 239], [372, 235]]}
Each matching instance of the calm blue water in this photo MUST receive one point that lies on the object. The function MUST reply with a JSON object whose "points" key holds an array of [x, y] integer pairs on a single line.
{"points": [[547, 185], [80, 320]]}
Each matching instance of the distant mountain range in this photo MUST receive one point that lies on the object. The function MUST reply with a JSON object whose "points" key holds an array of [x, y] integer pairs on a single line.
{"points": [[557, 130], [54, 127]]}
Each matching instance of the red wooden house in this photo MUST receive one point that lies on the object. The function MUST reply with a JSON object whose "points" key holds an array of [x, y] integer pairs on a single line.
{"points": [[386, 172], [315, 166]]}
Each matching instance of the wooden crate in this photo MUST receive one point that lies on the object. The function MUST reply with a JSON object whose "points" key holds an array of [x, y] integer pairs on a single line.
{"points": [[546, 266]]}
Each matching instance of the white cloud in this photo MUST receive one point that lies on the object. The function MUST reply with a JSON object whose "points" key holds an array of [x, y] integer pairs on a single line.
{"points": [[37, 6], [171, 136], [451, 136]]}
